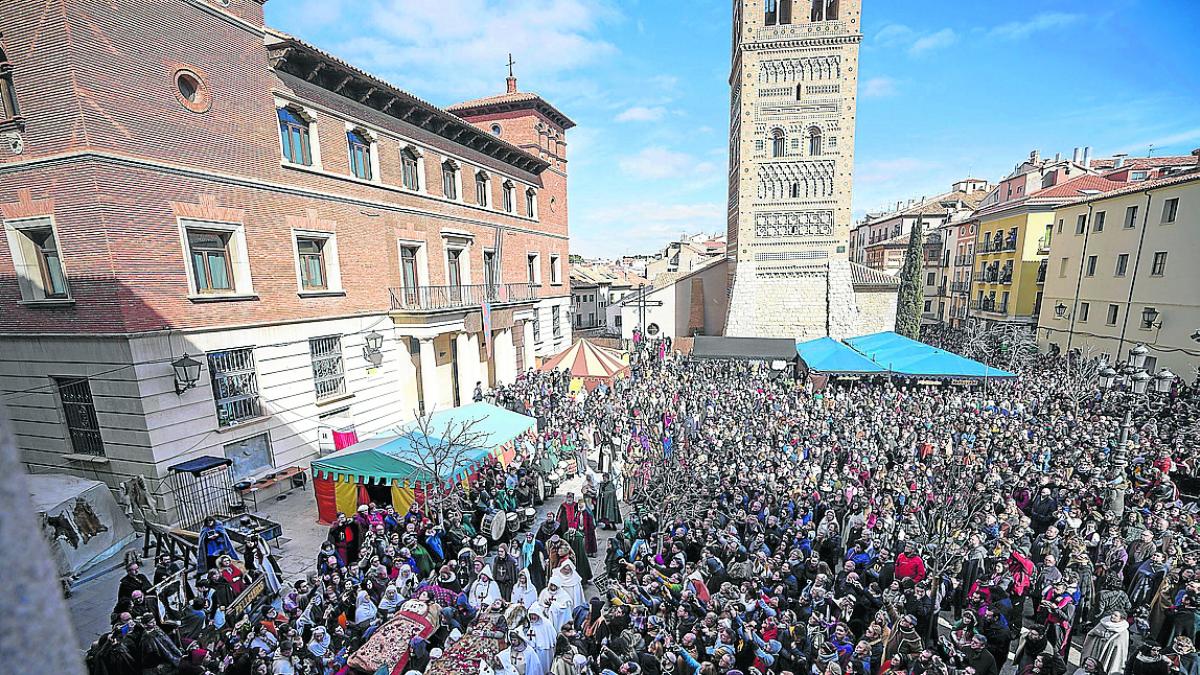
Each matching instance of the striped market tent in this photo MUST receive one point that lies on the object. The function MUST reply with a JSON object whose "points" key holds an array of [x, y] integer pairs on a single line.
{"points": [[589, 365]]}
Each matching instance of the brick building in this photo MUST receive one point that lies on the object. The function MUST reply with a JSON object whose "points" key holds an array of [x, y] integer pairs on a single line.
{"points": [[177, 178]]}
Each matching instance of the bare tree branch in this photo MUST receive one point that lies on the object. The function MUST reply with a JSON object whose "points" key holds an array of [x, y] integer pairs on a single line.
{"points": [[442, 450]]}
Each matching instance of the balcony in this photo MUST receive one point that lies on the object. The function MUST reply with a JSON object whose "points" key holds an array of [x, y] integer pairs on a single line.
{"points": [[963, 259], [1043, 245], [986, 306], [1041, 273], [448, 298], [959, 286]]}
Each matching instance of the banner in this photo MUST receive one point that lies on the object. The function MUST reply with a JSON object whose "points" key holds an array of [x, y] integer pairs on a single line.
{"points": [[487, 328]]}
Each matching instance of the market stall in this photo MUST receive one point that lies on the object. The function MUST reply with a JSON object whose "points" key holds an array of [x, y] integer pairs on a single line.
{"points": [[589, 365], [395, 466]]}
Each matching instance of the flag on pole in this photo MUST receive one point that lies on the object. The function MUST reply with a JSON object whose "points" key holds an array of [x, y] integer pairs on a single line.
{"points": [[486, 310]]}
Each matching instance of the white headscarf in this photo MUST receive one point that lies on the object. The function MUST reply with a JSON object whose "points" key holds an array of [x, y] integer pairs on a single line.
{"points": [[365, 611], [570, 583], [319, 644], [524, 592], [484, 591], [391, 599]]}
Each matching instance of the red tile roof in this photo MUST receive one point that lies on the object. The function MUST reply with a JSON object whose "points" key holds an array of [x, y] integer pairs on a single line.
{"points": [[1144, 162], [1071, 188], [512, 99], [1140, 186]]}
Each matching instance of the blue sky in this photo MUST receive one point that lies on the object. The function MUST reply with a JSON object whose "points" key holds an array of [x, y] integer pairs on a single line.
{"points": [[947, 88]]}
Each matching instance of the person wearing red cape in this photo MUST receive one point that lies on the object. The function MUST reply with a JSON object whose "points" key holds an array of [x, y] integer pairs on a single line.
{"points": [[573, 514]]}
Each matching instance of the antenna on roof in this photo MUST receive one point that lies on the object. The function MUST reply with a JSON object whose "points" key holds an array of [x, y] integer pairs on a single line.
{"points": [[1150, 152]]}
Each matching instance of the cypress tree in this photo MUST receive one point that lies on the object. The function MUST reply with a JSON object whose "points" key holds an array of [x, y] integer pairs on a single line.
{"points": [[911, 297]]}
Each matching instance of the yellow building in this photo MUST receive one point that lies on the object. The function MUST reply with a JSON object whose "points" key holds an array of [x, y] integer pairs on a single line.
{"points": [[1013, 236], [1122, 271]]}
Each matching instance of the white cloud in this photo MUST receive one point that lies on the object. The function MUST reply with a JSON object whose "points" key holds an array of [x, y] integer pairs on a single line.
{"points": [[640, 113], [1016, 30], [642, 226], [896, 35], [879, 87], [1167, 141], [431, 46], [658, 162], [943, 38]]}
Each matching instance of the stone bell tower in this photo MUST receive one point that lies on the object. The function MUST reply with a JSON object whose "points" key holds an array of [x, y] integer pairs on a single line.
{"points": [[794, 82]]}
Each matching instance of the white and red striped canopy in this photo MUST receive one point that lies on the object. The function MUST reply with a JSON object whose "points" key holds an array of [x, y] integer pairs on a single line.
{"points": [[585, 360]]}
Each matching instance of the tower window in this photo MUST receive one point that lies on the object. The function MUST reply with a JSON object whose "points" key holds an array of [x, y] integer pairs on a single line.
{"points": [[785, 12], [778, 143], [795, 191], [824, 10], [771, 10], [814, 141]]}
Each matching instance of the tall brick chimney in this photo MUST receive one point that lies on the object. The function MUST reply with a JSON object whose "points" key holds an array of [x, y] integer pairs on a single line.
{"points": [[512, 84]]}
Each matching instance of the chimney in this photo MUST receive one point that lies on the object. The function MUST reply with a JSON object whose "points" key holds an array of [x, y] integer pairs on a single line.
{"points": [[1057, 157], [1077, 156], [512, 84], [1034, 157], [1196, 154], [1119, 160], [1087, 157]]}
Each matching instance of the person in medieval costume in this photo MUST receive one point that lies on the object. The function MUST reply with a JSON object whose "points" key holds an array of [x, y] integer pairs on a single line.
{"points": [[346, 537], [524, 592], [608, 509], [259, 560], [420, 554], [1056, 612], [214, 543], [574, 515], [548, 528], [1108, 643], [505, 567], [578, 544], [533, 560], [569, 582], [483, 591]]}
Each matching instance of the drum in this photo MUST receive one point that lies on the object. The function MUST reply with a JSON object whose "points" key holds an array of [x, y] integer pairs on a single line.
{"points": [[494, 525], [539, 493], [480, 545], [514, 522]]}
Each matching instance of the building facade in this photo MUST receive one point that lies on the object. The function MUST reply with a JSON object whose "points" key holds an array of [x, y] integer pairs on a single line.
{"points": [[321, 242], [1131, 280], [793, 79]]}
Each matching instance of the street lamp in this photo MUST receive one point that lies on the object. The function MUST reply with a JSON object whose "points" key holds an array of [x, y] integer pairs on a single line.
{"points": [[1108, 376], [1138, 382], [1060, 310], [187, 373], [1137, 356], [373, 348], [1150, 318], [1163, 381]]}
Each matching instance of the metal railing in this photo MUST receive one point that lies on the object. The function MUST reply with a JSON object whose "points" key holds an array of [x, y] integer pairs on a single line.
{"points": [[1044, 245], [432, 298], [963, 259], [959, 286]]}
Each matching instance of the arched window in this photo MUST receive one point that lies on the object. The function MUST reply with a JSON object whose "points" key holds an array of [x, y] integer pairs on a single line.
{"points": [[824, 10], [771, 12], [293, 136], [8, 96], [814, 141], [778, 143], [482, 189], [450, 179], [509, 197], [799, 91], [360, 154], [785, 12], [411, 176], [531, 203], [795, 191]]}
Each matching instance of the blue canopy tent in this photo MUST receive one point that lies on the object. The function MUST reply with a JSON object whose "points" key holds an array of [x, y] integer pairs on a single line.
{"points": [[903, 356], [826, 355]]}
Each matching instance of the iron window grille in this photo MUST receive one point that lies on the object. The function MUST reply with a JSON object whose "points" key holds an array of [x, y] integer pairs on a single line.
{"points": [[329, 370], [235, 385], [79, 409]]}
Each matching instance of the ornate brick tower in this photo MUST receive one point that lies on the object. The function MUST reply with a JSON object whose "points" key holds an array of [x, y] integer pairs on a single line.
{"points": [[794, 81]]}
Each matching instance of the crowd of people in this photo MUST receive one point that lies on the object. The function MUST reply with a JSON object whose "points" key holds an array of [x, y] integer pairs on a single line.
{"points": [[867, 527]]}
